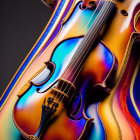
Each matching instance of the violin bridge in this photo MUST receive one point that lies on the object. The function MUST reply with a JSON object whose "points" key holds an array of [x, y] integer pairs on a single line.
{"points": [[66, 87], [59, 94]]}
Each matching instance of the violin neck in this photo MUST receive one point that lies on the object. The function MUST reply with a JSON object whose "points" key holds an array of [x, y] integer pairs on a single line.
{"points": [[84, 48]]}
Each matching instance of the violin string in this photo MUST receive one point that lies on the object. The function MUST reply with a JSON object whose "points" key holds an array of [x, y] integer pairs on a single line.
{"points": [[76, 69], [71, 63], [75, 78], [81, 61]]}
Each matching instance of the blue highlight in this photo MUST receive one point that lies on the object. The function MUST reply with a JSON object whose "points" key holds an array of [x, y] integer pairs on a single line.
{"points": [[23, 101], [108, 57]]}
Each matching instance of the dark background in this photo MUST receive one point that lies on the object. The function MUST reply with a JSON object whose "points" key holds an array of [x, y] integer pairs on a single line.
{"points": [[21, 23]]}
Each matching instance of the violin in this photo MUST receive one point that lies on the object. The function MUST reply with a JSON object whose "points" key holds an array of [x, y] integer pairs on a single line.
{"points": [[68, 97], [56, 92]]}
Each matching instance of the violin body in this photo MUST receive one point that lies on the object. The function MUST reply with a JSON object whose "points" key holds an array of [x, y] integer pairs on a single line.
{"points": [[94, 119], [23, 109]]}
